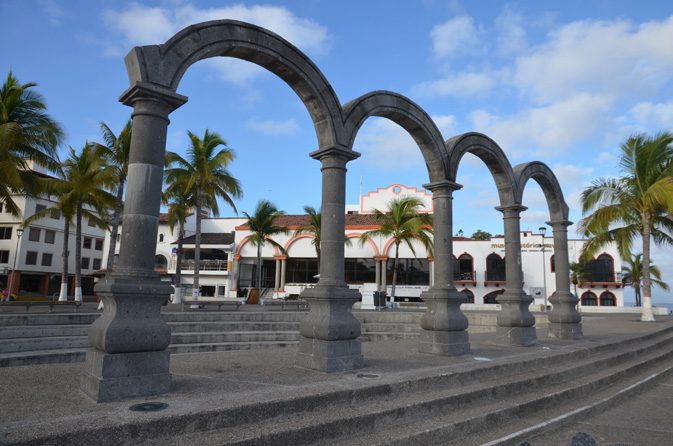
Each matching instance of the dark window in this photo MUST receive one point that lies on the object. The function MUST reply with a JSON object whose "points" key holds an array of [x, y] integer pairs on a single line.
{"points": [[5, 233], [34, 235], [55, 214], [91, 223], [99, 244], [4, 256], [160, 261], [553, 264], [85, 263], [96, 264], [360, 270], [161, 237], [31, 258], [495, 268], [1, 206], [492, 298], [409, 272], [87, 243], [602, 269], [589, 299], [301, 271], [463, 268], [39, 208], [49, 237], [46, 259], [470, 296], [607, 299]]}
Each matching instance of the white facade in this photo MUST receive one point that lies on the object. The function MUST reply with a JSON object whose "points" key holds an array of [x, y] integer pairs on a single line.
{"points": [[231, 272]]}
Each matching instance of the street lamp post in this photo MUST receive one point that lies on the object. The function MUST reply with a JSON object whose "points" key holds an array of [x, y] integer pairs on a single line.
{"points": [[543, 231], [19, 232]]}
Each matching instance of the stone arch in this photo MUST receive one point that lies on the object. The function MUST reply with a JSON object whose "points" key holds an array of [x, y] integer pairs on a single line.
{"points": [[491, 154], [239, 248], [408, 115], [161, 67], [544, 176], [370, 242]]}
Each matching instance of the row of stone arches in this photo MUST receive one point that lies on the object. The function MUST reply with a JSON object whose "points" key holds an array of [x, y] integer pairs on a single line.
{"points": [[330, 333]]}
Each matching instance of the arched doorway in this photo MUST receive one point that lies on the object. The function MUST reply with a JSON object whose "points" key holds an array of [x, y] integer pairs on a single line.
{"points": [[492, 297]]}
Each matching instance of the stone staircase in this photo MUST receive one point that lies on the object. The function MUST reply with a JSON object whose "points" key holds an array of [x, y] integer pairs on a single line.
{"points": [[40, 338], [493, 404]]}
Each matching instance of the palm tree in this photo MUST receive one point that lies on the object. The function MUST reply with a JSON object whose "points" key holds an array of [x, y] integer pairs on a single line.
{"points": [[178, 210], [204, 176], [634, 271], [579, 272], [636, 205], [116, 151], [80, 192], [403, 223], [262, 227], [27, 132]]}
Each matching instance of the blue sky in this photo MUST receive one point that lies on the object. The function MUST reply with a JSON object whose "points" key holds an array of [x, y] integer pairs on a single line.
{"points": [[559, 82]]}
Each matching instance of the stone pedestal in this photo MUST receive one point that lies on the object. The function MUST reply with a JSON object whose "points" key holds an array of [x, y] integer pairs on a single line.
{"points": [[128, 358], [444, 326], [564, 320], [515, 323], [330, 333], [121, 376]]}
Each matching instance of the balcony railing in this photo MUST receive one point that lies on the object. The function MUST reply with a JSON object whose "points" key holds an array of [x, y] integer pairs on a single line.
{"points": [[204, 265]]}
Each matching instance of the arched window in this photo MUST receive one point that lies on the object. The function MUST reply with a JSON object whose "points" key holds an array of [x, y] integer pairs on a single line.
{"points": [[466, 265], [602, 269], [607, 299], [495, 268], [469, 294], [588, 299], [160, 262], [492, 298], [161, 238]]}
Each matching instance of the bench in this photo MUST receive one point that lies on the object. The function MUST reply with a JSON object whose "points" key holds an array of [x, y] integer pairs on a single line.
{"points": [[40, 303], [202, 302]]}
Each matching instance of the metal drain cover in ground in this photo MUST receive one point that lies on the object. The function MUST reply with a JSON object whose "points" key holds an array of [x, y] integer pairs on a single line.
{"points": [[148, 407]]}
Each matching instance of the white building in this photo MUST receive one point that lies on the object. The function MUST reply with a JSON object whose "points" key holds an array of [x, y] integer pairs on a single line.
{"points": [[38, 251], [228, 260]]}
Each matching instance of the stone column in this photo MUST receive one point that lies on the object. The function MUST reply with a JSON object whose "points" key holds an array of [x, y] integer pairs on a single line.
{"points": [[384, 274], [515, 323], [276, 282], [565, 320], [237, 265], [128, 356], [444, 326], [431, 264], [283, 266], [378, 274], [329, 339]]}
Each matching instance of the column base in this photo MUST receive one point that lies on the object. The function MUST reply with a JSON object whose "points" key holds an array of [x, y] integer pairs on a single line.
{"points": [[515, 336], [446, 343], [330, 356], [122, 376], [572, 332]]}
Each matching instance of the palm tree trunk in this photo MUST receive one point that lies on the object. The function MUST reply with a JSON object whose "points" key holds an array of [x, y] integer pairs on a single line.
{"points": [[197, 244], [647, 315], [397, 259], [78, 253], [259, 273], [178, 269], [63, 296], [115, 225]]}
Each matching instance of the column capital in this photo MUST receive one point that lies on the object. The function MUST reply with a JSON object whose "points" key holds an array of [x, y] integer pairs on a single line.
{"points": [[559, 223], [381, 258], [335, 152], [237, 257], [509, 209], [144, 90], [445, 186], [280, 257]]}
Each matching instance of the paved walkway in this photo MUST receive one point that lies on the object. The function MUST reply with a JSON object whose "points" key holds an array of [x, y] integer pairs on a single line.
{"points": [[47, 398]]}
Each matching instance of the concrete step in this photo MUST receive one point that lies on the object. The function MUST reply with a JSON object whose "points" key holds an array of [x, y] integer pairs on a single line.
{"points": [[42, 331], [436, 409], [230, 346], [43, 343], [10, 320], [234, 336], [231, 326], [36, 357]]}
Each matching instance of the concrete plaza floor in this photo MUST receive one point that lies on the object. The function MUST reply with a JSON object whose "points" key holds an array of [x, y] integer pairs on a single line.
{"points": [[46, 399]]}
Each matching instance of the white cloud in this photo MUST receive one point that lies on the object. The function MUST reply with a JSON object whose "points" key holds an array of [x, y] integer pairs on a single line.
{"points": [[270, 127], [511, 38], [461, 85], [446, 124], [143, 25], [558, 126], [456, 36], [388, 146], [605, 57], [660, 114], [52, 10]]}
